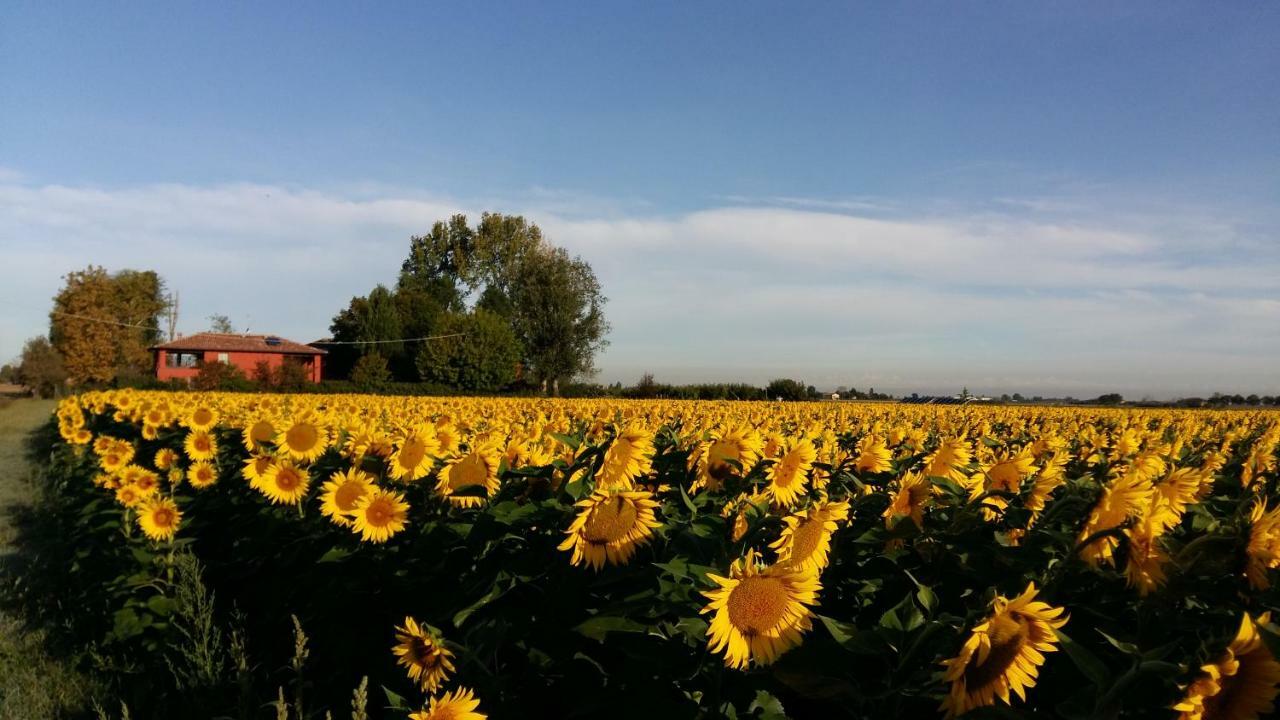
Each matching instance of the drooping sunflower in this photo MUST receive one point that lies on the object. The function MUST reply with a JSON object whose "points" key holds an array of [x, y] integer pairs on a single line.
{"points": [[759, 612], [422, 653], [342, 493], [910, 499], [414, 454], [789, 475], [202, 475], [805, 542], [200, 445], [1240, 685], [256, 433], [610, 525], [1144, 569], [256, 468], [477, 469], [873, 455], [379, 515], [461, 704], [304, 440], [1263, 550], [159, 518], [946, 462], [724, 453], [629, 456], [1003, 653], [285, 483], [1124, 497]]}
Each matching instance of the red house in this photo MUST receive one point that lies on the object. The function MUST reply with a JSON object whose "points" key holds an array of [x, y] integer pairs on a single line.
{"points": [[183, 357]]}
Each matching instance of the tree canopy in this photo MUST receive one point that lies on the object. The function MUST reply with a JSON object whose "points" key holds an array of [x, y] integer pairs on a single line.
{"points": [[102, 324]]}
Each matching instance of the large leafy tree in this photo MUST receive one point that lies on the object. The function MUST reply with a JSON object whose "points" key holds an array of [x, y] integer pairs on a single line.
{"points": [[41, 368], [482, 357], [102, 324]]}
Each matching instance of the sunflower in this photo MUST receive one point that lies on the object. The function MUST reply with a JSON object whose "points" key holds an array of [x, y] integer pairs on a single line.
{"points": [[946, 462], [128, 495], [760, 613], [873, 455], [257, 433], [1263, 550], [1145, 567], [379, 515], [805, 542], [789, 475], [201, 475], [629, 456], [413, 456], [285, 483], [159, 518], [423, 654], [1240, 685], [1003, 653], [200, 445], [304, 440], [201, 417], [1008, 471], [1125, 497], [256, 468], [343, 491], [460, 704], [609, 527], [724, 454], [477, 469], [165, 458], [910, 499]]}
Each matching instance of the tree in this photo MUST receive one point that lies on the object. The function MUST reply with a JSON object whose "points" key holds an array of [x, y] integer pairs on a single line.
{"points": [[220, 376], [220, 324], [558, 315], [41, 367], [9, 373], [786, 389], [370, 373], [1110, 399], [483, 358], [366, 325], [102, 323]]}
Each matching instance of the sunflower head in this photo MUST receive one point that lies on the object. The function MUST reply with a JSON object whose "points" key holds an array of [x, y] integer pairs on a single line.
{"points": [[159, 518], [758, 613], [1240, 684], [610, 525], [421, 651]]}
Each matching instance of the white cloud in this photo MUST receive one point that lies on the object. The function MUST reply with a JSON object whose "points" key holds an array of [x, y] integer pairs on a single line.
{"points": [[1046, 297]]}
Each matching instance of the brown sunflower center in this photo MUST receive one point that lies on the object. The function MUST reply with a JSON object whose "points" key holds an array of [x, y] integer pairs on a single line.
{"points": [[758, 604], [1008, 636], [806, 539], [288, 480], [719, 455], [302, 437], [610, 521], [202, 416], [261, 432], [162, 517], [379, 513], [347, 495], [412, 453], [470, 470]]}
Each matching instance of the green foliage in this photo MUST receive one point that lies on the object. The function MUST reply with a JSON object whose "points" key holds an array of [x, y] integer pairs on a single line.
{"points": [[102, 323], [787, 389], [220, 376], [483, 358], [41, 368], [370, 373]]}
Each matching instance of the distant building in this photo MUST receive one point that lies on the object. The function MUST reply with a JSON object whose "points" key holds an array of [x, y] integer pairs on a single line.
{"points": [[182, 358]]}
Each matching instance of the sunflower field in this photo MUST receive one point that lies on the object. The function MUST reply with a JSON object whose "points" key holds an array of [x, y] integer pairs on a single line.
{"points": [[309, 556]]}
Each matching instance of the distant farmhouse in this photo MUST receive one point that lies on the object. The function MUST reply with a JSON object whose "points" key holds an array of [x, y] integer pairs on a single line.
{"points": [[182, 358]]}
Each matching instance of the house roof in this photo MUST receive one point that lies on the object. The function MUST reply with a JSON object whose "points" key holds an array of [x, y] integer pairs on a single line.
{"points": [[227, 342]]}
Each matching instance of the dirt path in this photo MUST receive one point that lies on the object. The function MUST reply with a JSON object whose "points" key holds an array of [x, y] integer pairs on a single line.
{"points": [[32, 685]]}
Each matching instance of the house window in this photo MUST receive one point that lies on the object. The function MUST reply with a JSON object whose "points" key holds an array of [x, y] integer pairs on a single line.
{"points": [[222, 358], [181, 360]]}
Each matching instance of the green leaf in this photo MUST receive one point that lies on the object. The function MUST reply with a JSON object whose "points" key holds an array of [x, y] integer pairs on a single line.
{"points": [[597, 628], [904, 616], [569, 440], [494, 593], [1085, 661], [1124, 647], [395, 700], [161, 605], [851, 638], [769, 707], [334, 554]]}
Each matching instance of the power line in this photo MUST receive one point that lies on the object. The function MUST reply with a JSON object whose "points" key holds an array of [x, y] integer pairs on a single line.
{"points": [[101, 320], [377, 342]]}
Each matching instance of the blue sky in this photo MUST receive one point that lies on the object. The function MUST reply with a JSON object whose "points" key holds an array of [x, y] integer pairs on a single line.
{"points": [[1049, 197]]}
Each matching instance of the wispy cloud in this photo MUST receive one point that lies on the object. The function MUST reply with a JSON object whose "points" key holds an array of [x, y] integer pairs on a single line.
{"points": [[1035, 295]]}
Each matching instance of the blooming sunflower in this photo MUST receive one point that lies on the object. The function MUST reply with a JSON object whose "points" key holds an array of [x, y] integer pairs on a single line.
{"points": [[1145, 567], [477, 469], [165, 458], [460, 704], [1125, 497], [1240, 685], [202, 475], [789, 475], [128, 496], [200, 445], [759, 613], [946, 462], [201, 417], [304, 440], [873, 455], [379, 515], [341, 494], [285, 483], [629, 456], [159, 518], [610, 526], [256, 468], [413, 457], [724, 454], [257, 433], [805, 542], [1003, 653], [423, 654], [910, 499], [1263, 550]]}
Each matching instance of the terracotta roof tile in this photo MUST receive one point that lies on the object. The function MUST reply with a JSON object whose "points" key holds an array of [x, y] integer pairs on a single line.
{"points": [[224, 342]]}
